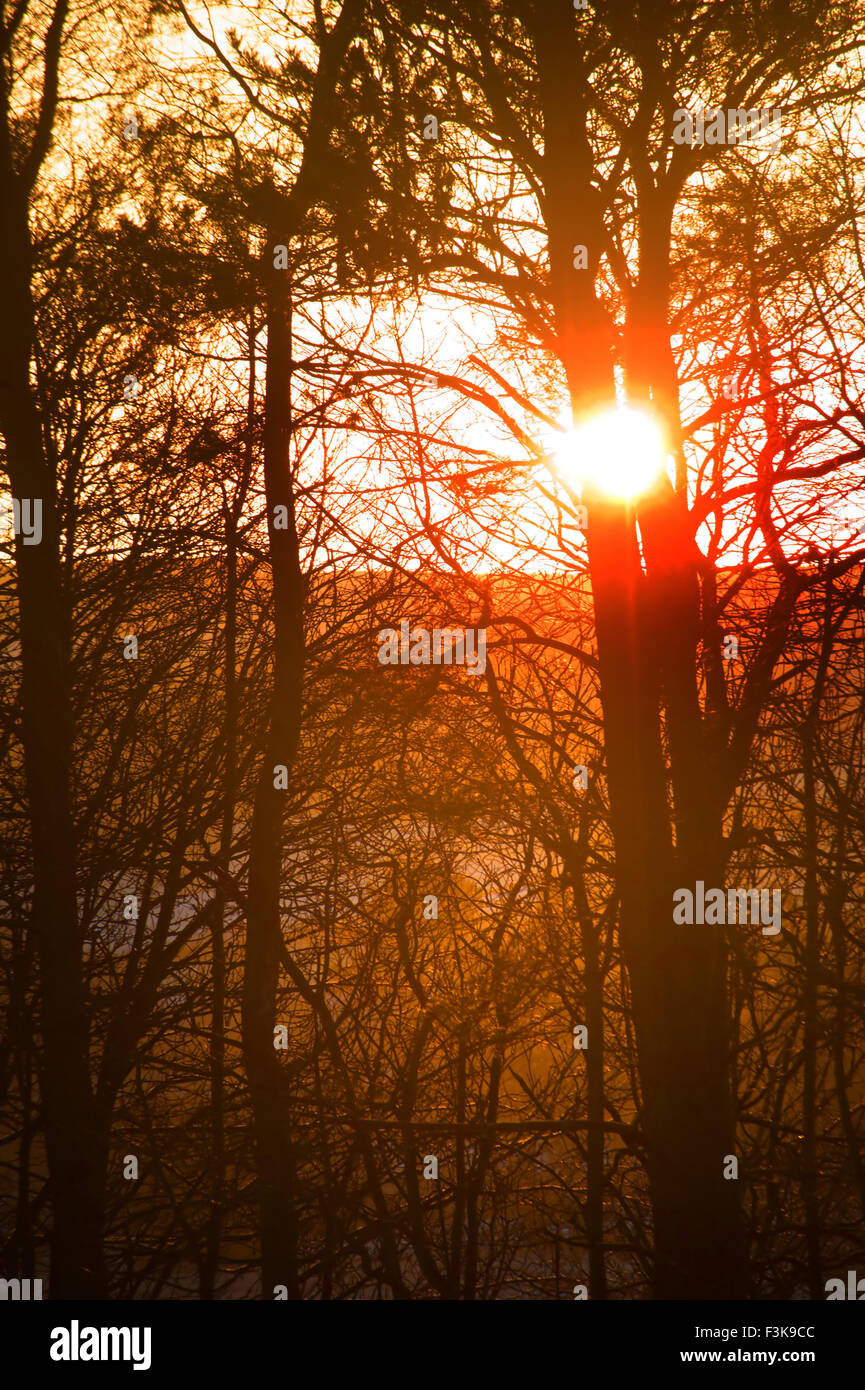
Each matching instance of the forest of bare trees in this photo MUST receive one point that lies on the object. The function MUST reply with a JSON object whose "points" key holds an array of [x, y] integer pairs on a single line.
{"points": [[331, 976]]}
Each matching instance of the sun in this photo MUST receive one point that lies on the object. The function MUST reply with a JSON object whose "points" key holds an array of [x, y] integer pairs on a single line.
{"points": [[620, 452]]}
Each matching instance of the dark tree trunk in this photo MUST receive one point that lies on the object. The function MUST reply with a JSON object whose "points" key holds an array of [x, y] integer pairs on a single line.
{"points": [[812, 954], [271, 1101], [809, 1021], [232, 513], [75, 1147], [647, 633], [595, 1155], [676, 973], [270, 1094]]}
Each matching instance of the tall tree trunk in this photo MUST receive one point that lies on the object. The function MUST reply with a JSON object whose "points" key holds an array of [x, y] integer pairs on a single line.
{"points": [[810, 1020], [271, 1101], [676, 973], [74, 1143], [646, 662], [233, 511], [595, 1172]]}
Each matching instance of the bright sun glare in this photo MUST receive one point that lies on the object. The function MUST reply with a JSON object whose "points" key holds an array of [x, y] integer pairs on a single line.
{"points": [[621, 452]]}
